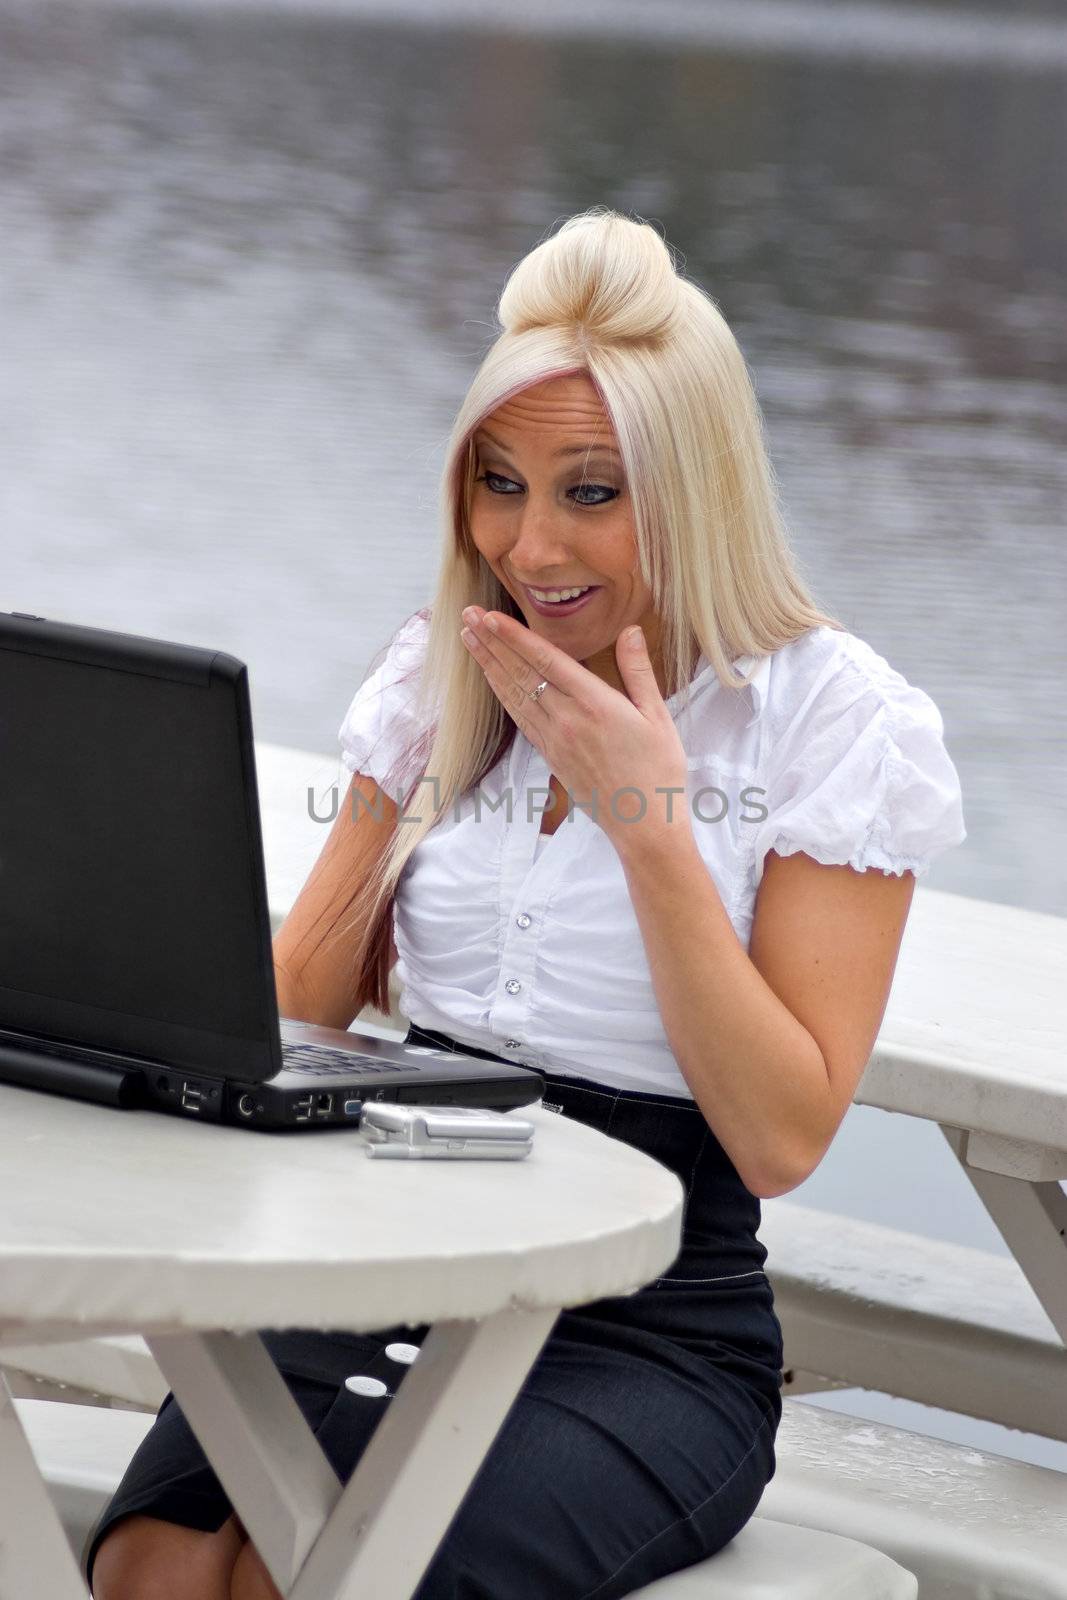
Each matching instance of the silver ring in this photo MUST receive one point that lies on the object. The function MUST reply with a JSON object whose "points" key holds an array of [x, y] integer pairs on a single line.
{"points": [[535, 694]]}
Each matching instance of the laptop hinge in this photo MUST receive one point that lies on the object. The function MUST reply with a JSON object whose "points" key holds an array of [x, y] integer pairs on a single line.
{"points": [[110, 1086]]}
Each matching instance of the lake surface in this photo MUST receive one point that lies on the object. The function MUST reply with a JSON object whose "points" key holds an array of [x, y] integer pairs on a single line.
{"points": [[250, 262]]}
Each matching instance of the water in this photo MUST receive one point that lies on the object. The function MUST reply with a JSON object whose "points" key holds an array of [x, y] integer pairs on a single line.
{"points": [[250, 262]]}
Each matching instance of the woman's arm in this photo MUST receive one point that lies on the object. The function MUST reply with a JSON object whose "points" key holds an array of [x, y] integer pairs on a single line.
{"points": [[772, 1042], [312, 967]]}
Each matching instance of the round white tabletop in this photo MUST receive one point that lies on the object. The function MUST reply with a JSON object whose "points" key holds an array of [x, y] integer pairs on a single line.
{"points": [[113, 1220]]}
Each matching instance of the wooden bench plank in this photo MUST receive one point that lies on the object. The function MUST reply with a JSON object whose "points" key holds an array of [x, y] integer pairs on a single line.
{"points": [[117, 1370], [83, 1454], [944, 1324], [966, 1522]]}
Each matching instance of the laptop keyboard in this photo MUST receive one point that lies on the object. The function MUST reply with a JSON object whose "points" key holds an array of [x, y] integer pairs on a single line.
{"points": [[318, 1060]]}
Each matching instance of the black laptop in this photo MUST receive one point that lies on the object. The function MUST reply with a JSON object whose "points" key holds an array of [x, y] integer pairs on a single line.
{"points": [[136, 964]]}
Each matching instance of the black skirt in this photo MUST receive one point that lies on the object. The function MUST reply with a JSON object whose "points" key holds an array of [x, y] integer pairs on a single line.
{"points": [[641, 1440]]}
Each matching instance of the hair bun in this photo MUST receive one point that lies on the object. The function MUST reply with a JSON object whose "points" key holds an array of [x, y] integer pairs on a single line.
{"points": [[602, 272]]}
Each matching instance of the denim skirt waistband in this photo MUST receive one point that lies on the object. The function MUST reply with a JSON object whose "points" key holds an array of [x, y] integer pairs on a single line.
{"points": [[671, 1130]]}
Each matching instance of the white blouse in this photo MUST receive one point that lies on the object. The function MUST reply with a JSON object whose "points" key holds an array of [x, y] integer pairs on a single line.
{"points": [[528, 945]]}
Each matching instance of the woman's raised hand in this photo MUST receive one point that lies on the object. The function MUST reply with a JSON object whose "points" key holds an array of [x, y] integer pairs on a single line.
{"points": [[618, 755]]}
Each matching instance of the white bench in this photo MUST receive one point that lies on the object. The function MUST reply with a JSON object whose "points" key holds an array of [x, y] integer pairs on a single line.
{"points": [[870, 1307], [117, 1370], [859, 1506], [84, 1450], [970, 1525]]}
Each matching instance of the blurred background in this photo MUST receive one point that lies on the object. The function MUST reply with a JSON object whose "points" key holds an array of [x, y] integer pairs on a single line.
{"points": [[250, 259]]}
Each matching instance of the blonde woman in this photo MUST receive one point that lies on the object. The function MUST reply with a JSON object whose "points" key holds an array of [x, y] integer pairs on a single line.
{"points": [[661, 840]]}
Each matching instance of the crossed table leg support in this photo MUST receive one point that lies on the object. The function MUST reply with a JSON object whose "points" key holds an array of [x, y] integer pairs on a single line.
{"points": [[1019, 1185], [318, 1540], [35, 1558]]}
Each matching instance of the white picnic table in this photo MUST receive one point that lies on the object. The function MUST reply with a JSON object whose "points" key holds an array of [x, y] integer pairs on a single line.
{"points": [[975, 1040], [194, 1236]]}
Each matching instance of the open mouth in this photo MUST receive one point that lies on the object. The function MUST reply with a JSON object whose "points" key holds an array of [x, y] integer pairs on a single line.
{"points": [[562, 608]]}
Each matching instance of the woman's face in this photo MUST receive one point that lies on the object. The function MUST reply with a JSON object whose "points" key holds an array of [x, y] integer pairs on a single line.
{"points": [[550, 510]]}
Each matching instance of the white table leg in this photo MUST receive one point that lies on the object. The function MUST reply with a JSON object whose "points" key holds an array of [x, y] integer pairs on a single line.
{"points": [[378, 1536], [422, 1458], [255, 1436], [1018, 1185], [35, 1558]]}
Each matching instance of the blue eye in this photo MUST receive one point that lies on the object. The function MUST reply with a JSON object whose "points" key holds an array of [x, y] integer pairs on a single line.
{"points": [[582, 488], [495, 476]]}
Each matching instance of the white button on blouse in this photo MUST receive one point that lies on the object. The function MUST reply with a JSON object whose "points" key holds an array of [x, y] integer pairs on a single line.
{"points": [[527, 944]]}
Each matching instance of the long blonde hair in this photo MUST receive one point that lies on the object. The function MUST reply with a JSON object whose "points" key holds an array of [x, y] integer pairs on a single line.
{"points": [[600, 296]]}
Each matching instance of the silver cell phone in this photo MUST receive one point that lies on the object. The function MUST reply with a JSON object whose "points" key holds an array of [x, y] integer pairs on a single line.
{"points": [[444, 1133]]}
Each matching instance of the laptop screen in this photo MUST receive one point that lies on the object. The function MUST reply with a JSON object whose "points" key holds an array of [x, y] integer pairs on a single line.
{"points": [[133, 910]]}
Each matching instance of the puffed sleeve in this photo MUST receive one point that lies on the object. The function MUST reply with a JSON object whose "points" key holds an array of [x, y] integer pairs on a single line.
{"points": [[861, 776], [383, 721]]}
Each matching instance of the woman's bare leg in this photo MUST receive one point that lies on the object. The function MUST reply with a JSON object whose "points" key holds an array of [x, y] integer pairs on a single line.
{"points": [[145, 1558], [251, 1580]]}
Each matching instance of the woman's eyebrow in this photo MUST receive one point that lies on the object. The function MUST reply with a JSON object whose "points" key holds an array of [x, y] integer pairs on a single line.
{"points": [[587, 449], [591, 449]]}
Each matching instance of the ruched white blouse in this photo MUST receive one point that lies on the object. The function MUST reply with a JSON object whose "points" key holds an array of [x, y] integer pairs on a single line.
{"points": [[528, 945]]}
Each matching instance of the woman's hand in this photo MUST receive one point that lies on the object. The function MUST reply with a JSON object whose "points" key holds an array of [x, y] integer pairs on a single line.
{"points": [[615, 754]]}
